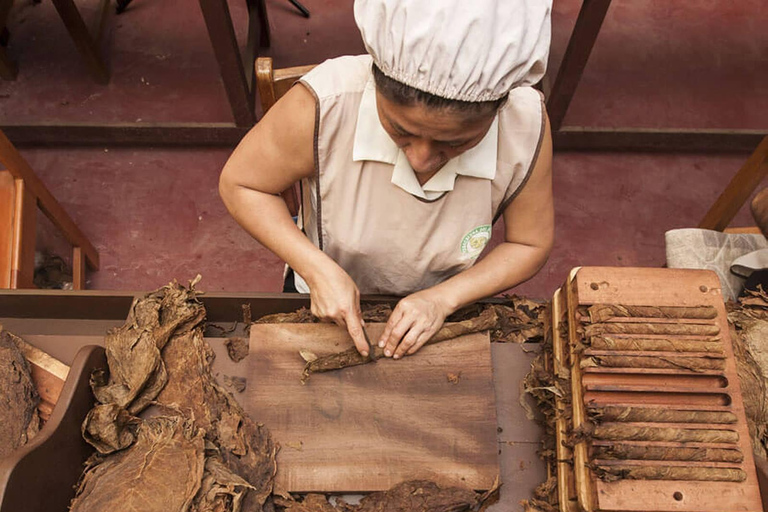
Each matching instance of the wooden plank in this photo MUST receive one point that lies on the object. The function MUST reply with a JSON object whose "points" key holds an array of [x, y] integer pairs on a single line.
{"points": [[85, 43], [125, 134], [369, 427], [577, 53], [7, 210], [20, 169], [24, 237], [744, 182], [222, 35], [578, 138]]}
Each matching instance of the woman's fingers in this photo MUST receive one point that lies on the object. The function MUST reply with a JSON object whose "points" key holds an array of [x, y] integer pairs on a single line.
{"points": [[399, 330], [354, 323]]}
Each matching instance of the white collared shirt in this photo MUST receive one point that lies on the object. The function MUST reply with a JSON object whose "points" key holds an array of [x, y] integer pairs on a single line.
{"points": [[373, 143]]}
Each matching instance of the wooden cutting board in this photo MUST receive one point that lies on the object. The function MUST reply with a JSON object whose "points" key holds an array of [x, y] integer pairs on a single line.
{"points": [[370, 427]]}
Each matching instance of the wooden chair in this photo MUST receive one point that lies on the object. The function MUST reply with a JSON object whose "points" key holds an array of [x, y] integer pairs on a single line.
{"points": [[272, 84], [740, 188], [21, 194]]}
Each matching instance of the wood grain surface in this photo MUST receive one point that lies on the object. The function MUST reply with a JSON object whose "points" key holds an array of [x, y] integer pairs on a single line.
{"points": [[370, 427]]}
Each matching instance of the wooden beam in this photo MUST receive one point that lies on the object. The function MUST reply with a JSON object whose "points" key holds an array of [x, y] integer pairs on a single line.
{"points": [[577, 53], [575, 138], [738, 190], [125, 134], [85, 42], [225, 47], [21, 170]]}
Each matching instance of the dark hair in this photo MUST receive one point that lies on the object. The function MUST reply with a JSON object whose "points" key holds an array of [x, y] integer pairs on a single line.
{"points": [[402, 94]]}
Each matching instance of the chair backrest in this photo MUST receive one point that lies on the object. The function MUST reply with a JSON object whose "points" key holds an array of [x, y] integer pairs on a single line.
{"points": [[22, 193], [741, 186], [272, 84]]}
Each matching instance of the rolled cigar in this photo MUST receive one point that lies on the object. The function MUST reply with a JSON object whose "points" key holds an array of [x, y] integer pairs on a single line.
{"points": [[603, 312], [652, 328], [659, 415], [655, 344], [620, 432], [673, 473], [629, 452], [696, 364]]}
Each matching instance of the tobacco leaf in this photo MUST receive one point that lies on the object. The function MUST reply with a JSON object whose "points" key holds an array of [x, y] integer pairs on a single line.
{"points": [[237, 348], [603, 312], [160, 472], [630, 452], [246, 449], [654, 344], [613, 473], [695, 364], [236, 383], [19, 421], [220, 489], [109, 428], [652, 328], [420, 495], [622, 432], [658, 415], [310, 503]]}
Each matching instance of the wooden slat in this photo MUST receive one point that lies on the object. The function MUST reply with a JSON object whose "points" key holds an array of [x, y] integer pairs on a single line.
{"points": [[24, 237], [20, 169], [78, 269], [578, 138], [577, 53], [370, 427], [222, 35], [738, 190], [7, 209]]}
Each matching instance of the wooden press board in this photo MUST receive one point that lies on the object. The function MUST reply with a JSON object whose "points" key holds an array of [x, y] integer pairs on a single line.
{"points": [[370, 427], [663, 287]]}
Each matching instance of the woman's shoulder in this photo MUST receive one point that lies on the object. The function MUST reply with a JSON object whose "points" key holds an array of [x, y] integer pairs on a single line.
{"points": [[341, 75]]}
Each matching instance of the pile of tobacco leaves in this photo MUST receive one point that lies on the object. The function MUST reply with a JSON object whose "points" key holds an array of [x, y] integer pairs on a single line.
{"points": [[168, 437], [19, 421]]}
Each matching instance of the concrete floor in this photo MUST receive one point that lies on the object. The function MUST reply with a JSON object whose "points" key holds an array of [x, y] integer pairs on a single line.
{"points": [[155, 215]]}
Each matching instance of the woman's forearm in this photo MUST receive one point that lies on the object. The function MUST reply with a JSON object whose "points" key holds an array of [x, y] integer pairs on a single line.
{"points": [[266, 218], [507, 265]]}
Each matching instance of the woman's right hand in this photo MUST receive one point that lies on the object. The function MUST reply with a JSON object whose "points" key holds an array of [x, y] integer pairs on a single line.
{"points": [[335, 298]]}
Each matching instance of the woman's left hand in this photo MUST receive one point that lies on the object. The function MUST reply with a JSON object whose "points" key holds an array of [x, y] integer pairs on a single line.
{"points": [[414, 321]]}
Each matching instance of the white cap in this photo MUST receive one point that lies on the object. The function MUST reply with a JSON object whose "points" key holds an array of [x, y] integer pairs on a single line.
{"points": [[469, 50]]}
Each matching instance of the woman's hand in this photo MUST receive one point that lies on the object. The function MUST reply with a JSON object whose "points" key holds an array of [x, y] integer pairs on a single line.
{"points": [[414, 321], [335, 298]]}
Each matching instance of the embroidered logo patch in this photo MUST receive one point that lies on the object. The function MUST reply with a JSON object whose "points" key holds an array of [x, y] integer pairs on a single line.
{"points": [[475, 241]]}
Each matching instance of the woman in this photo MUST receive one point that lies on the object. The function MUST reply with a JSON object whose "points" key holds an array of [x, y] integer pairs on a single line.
{"points": [[406, 157]]}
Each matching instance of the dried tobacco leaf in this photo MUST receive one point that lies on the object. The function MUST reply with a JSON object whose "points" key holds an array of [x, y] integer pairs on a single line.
{"points": [[658, 415], [652, 328], [613, 473], [655, 344], [420, 495], [160, 472], [220, 489], [237, 348], [19, 421], [623, 432], [643, 452], [236, 383], [246, 449], [603, 312], [109, 428], [310, 503], [695, 364]]}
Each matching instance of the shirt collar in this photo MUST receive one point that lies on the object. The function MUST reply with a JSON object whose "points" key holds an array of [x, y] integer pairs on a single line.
{"points": [[373, 143]]}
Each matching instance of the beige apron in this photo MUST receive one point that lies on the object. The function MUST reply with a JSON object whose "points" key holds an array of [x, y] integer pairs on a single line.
{"points": [[390, 238]]}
